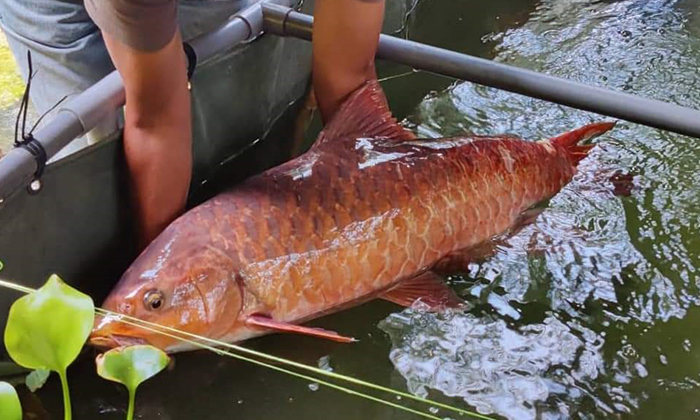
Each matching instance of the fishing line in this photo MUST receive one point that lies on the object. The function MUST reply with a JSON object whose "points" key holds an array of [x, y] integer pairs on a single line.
{"points": [[396, 76], [350, 379], [289, 372], [180, 335]]}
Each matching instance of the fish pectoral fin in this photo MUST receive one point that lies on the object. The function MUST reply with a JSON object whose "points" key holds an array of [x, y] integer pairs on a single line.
{"points": [[260, 321], [428, 288], [459, 260], [526, 218]]}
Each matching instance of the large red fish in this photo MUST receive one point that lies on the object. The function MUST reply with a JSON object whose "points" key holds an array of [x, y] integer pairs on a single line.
{"points": [[363, 214]]}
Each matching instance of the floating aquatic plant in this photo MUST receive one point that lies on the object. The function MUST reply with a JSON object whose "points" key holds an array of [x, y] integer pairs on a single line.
{"points": [[130, 366], [47, 328], [9, 402]]}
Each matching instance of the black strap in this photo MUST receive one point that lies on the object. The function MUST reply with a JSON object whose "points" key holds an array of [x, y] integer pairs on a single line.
{"points": [[34, 147], [26, 140], [191, 59]]}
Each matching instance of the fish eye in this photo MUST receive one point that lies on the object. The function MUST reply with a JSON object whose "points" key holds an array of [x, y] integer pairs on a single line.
{"points": [[153, 299]]}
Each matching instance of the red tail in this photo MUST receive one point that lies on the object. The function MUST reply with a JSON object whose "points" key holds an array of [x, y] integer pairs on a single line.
{"points": [[573, 141]]}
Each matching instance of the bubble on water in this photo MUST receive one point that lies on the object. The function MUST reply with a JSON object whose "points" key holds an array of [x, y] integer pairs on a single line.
{"points": [[398, 397], [433, 410], [313, 386], [687, 346], [325, 363], [642, 371], [240, 401], [663, 359]]}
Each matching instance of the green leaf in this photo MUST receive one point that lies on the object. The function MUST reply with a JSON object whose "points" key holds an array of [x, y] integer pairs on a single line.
{"points": [[9, 403], [131, 365], [37, 379], [46, 329]]}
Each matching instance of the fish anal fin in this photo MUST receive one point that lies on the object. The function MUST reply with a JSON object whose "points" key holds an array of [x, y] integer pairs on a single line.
{"points": [[458, 261], [365, 113], [260, 321], [428, 288]]}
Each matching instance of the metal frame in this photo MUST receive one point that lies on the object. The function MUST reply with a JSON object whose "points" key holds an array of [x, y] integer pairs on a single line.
{"points": [[658, 114]]}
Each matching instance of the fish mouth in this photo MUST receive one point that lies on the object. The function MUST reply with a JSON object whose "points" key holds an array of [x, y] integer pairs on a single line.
{"points": [[115, 340], [108, 334]]}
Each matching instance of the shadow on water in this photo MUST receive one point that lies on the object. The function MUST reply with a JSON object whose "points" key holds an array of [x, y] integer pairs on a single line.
{"points": [[588, 313]]}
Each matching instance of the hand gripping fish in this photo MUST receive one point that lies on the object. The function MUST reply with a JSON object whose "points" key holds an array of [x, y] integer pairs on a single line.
{"points": [[365, 213]]}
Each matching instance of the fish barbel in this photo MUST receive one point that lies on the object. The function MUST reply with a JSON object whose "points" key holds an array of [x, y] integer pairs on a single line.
{"points": [[363, 214]]}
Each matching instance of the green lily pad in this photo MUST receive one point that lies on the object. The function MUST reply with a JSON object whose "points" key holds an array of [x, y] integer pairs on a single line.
{"points": [[47, 328], [9, 402], [36, 379], [131, 366]]}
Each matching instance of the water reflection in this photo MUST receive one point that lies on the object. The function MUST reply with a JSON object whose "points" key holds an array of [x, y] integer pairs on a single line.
{"points": [[527, 372], [596, 264]]}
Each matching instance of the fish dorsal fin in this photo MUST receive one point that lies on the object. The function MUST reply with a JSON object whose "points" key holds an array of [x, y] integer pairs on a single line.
{"points": [[364, 114]]}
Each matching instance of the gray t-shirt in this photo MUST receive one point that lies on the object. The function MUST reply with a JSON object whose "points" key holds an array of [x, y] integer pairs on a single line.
{"points": [[146, 25]]}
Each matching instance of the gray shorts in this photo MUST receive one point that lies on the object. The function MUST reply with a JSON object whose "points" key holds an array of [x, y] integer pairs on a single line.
{"points": [[68, 52]]}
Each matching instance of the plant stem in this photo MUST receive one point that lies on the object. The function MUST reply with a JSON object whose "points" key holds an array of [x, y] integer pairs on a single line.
{"points": [[66, 395], [130, 412]]}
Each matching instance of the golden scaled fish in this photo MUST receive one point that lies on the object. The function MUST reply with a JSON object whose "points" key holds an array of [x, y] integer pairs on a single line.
{"points": [[365, 213]]}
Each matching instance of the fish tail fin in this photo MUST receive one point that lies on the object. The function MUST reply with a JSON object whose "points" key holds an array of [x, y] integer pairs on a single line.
{"points": [[574, 142]]}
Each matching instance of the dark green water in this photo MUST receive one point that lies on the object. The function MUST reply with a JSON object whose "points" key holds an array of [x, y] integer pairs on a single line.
{"points": [[592, 312]]}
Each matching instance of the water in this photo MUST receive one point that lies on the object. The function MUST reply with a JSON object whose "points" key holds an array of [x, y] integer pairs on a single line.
{"points": [[591, 312], [584, 314]]}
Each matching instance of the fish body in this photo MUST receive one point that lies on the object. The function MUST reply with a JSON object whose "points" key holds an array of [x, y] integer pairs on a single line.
{"points": [[366, 209]]}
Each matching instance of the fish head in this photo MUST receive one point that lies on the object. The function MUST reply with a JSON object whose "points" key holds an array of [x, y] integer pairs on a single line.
{"points": [[182, 282]]}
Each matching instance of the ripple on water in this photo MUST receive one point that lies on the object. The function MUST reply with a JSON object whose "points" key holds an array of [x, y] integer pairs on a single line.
{"points": [[544, 369], [594, 265]]}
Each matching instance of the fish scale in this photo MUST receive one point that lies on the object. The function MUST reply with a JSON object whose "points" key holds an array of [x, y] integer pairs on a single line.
{"points": [[366, 209]]}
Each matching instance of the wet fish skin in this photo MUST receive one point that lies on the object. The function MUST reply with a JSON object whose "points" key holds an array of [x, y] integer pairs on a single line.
{"points": [[368, 207]]}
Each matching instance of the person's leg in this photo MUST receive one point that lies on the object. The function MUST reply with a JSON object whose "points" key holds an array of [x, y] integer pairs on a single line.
{"points": [[68, 52]]}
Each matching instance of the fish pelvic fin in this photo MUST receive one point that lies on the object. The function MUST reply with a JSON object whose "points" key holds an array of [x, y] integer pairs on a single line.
{"points": [[429, 289], [575, 142], [364, 113], [267, 323]]}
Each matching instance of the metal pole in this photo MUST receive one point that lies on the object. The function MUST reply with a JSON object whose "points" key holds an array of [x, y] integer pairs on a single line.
{"points": [[650, 112], [86, 110]]}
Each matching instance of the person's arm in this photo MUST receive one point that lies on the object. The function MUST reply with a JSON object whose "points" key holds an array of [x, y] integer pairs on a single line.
{"points": [[346, 35], [157, 132], [145, 46]]}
